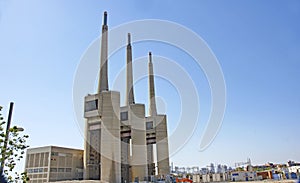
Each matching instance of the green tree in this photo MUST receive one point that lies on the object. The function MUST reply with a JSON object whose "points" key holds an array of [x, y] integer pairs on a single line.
{"points": [[13, 152], [241, 169]]}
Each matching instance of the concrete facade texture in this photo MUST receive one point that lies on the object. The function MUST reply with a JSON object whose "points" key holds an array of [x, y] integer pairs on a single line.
{"points": [[102, 145], [138, 136], [52, 163]]}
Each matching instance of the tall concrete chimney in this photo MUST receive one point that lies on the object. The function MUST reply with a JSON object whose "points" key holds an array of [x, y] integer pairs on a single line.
{"points": [[103, 77], [129, 77], [152, 109]]}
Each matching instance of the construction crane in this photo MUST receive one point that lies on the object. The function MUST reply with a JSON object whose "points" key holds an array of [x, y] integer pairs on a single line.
{"points": [[238, 164]]}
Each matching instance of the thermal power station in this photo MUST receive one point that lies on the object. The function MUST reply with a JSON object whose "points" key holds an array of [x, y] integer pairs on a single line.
{"points": [[119, 140]]}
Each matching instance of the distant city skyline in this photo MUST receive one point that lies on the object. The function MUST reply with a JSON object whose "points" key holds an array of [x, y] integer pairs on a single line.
{"points": [[257, 45]]}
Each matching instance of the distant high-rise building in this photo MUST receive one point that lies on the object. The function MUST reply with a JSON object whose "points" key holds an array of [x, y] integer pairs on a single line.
{"points": [[220, 169], [52, 163], [212, 168]]}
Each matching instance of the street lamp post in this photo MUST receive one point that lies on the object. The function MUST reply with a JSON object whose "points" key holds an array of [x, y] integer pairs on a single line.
{"points": [[11, 106]]}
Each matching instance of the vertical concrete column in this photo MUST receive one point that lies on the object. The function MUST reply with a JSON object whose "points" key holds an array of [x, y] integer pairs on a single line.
{"points": [[125, 156], [92, 137], [86, 151], [139, 146], [110, 137], [162, 145], [150, 160]]}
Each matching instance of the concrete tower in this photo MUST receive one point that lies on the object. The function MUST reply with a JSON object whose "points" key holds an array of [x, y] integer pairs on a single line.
{"points": [[119, 140], [102, 158], [150, 124], [152, 109], [129, 77], [160, 123], [125, 127], [133, 123], [103, 78]]}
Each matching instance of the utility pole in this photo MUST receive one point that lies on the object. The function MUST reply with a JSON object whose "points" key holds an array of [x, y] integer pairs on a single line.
{"points": [[11, 106]]}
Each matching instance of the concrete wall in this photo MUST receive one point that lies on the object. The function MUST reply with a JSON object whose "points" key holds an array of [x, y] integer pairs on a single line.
{"points": [[53, 163], [110, 137], [162, 145], [196, 178], [217, 177], [92, 143], [102, 158], [139, 147]]}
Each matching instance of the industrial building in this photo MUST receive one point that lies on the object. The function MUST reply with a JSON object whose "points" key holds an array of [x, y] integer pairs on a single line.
{"points": [[119, 139], [52, 163]]}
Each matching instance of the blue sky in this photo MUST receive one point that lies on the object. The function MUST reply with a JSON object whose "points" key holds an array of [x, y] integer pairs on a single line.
{"points": [[256, 42]]}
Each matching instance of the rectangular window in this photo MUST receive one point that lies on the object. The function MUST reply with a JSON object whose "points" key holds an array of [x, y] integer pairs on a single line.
{"points": [[149, 125], [68, 169], [53, 169], [62, 154], [124, 116], [54, 153], [91, 105], [61, 169]]}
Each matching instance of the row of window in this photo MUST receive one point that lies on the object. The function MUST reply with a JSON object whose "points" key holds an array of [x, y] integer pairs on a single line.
{"points": [[40, 170], [61, 154], [60, 169], [35, 170]]}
